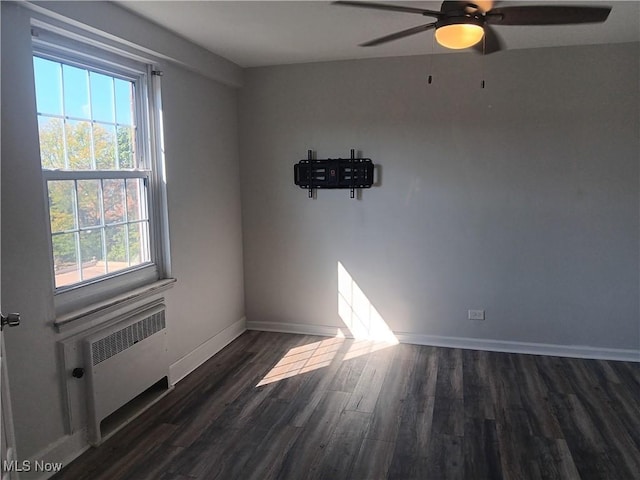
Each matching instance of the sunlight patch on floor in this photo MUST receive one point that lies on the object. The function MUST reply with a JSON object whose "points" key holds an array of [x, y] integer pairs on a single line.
{"points": [[303, 359], [364, 323]]}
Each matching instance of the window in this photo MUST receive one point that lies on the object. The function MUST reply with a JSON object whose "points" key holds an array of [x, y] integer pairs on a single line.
{"points": [[95, 149]]}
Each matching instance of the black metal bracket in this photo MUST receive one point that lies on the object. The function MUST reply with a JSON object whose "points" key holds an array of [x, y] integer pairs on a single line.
{"points": [[348, 173], [10, 319]]}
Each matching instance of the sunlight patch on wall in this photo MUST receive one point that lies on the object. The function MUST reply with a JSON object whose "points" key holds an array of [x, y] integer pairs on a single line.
{"points": [[358, 314]]}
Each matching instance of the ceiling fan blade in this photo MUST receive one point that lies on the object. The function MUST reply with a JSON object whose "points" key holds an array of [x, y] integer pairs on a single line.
{"points": [[490, 43], [546, 15], [386, 6], [397, 35]]}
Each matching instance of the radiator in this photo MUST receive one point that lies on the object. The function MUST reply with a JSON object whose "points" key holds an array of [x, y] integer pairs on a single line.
{"points": [[122, 361]]}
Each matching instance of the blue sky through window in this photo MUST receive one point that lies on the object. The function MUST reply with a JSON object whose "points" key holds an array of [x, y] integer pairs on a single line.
{"points": [[76, 92], [107, 93], [48, 76], [102, 97]]}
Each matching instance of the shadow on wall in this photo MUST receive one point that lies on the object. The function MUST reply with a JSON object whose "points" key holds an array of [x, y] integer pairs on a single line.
{"points": [[363, 323]]}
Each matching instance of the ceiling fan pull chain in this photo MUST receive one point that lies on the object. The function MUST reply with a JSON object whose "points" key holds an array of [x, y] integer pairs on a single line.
{"points": [[484, 52], [430, 63]]}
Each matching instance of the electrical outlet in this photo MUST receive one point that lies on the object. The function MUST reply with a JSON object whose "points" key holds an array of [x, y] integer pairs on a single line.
{"points": [[476, 314]]}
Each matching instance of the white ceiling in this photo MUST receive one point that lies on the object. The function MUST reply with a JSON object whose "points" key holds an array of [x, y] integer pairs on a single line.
{"points": [[258, 33]]}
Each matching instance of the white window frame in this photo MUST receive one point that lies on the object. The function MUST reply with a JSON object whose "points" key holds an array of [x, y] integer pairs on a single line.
{"points": [[149, 153]]}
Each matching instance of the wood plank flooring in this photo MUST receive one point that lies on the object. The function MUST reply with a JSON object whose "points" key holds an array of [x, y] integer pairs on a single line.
{"points": [[279, 406]]}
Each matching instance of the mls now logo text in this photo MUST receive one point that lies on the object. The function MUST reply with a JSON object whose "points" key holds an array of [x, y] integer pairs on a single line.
{"points": [[29, 466]]}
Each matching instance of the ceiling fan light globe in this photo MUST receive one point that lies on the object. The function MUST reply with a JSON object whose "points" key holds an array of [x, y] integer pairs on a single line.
{"points": [[459, 35]]}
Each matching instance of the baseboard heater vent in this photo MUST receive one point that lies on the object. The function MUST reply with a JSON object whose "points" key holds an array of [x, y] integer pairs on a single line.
{"points": [[125, 359], [115, 343]]}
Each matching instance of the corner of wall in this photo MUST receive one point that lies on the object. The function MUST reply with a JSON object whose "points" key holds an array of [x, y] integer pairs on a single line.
{"points": [[205, 351]]}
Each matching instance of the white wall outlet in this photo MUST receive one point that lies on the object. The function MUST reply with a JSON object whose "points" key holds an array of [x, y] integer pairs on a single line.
{"points": [[476, 314]]}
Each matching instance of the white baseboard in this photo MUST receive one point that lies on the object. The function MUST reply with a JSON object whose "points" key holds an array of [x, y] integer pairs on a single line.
{"points": [[204, 352], [572, 351], [67, 448], [320, 330]]}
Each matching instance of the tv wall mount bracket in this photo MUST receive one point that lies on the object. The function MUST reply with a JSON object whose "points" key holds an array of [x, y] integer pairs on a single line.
{"points": [[348, 173]]}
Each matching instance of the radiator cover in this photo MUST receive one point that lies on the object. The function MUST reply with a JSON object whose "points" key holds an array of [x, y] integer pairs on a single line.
{"points": [[121, 362]]}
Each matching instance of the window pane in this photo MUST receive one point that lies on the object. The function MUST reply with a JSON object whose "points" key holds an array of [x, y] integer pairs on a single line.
{"points": [[116, 248], [114, 206], [87, 121], [48, 86], [89, 203], [61, 206], [65, 259], [51, 142], [126, 138], [76, 92], [124, 101], [104, 146], [138, 239], [91, 252], [102, 97], [136, 206], [78, 136]]}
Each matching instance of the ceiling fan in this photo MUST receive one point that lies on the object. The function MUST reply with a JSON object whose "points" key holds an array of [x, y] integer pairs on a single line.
{"points": [[461, 24]]}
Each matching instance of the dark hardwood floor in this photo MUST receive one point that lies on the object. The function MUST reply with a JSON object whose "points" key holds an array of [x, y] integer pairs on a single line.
{"points": [[300, 407]]}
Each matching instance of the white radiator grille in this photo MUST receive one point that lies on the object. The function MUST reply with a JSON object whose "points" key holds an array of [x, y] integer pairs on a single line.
{"points": [[123, 360], [122, 339]]}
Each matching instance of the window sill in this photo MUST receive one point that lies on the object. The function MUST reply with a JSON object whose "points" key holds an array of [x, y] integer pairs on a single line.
{"points": [[90, 315]]}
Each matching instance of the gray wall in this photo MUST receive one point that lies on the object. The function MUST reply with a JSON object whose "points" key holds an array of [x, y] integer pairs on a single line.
{"points": [[204, 214], [203, 182], [520, 198]]}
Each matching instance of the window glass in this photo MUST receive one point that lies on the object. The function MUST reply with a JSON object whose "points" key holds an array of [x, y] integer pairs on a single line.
{"points": [[98, 198], [102, 101], [114, 201], [78, 143], [48, 77], [62, 206], [75, 87], [52, 145], [124, 102], [126, 146], [104, 146], [66, 259]]}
